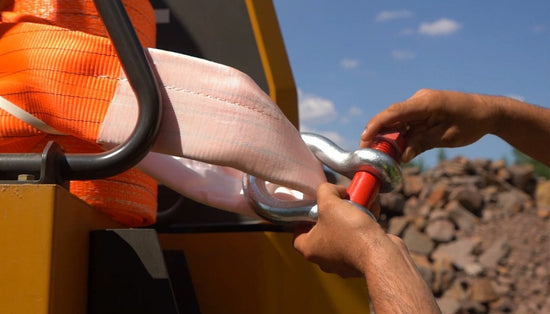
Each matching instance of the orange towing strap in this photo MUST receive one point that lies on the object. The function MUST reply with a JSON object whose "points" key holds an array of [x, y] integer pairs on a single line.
{"points": [[58, 65]]}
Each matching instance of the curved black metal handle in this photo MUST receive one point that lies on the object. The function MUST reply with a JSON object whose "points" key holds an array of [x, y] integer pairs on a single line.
{"points": [[144, 84]]}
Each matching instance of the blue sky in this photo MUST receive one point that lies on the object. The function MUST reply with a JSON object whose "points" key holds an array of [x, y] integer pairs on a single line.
{"points": [[352, 58]]}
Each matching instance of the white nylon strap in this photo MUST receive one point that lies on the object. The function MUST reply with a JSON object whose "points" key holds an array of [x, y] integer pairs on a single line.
{"points": [[216, 120], [216, 186], [23, 115]]}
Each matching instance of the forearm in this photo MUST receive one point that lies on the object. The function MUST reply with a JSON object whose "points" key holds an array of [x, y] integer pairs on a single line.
{"points": [[394, 283], [524, 126]]}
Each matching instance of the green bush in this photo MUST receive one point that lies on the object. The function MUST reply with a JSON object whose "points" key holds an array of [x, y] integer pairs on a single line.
{"points": [[417, 162], [540, 169]]}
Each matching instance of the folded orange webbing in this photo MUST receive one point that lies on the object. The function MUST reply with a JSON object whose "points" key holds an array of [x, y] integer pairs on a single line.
{"points": [[57, 63]]}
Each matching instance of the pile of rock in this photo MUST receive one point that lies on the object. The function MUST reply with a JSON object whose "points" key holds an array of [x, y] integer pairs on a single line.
{"points": [[479, 233]]}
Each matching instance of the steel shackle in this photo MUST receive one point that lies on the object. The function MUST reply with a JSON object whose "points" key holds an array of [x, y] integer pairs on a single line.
{"points": [[377, 165]]}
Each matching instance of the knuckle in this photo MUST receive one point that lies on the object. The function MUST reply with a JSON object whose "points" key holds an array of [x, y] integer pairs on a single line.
{"points": [[423, 91], [431, 95], [323, 189]]}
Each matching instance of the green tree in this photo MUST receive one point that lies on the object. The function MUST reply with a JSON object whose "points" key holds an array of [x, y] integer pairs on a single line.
{"points": [[417, 162], [441, 155], [540, 169]]}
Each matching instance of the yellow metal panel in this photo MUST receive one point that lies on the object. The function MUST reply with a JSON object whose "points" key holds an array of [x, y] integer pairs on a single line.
{"points": [[44, 238], [260, 272], [269, 40]]}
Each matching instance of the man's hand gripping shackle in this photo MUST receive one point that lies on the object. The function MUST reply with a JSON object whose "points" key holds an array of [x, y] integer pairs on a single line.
{"points": [[372, 170]]}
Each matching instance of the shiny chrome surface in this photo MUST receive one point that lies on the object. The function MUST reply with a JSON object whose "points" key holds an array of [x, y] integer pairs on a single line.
{"points": [[273, 209], [348, 163], [277, 210]]}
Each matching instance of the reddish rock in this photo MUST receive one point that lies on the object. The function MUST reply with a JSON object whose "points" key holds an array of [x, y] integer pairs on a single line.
{"points": [[409, 171], [468, 196], [494, 253], [511, 201], [412, 185], [397, 225], [490, 194], [443, 274], [497, 164], [437, 196], [417, 241], [521, 176], [448, 305], [459, 290], [543, 212], [424, 267], [503, 174], [473, 307], [475, 181], [502, 305], [441, 230], [480, 165], [464, 219], [482, 290], [542, 271], [497, 263], [473, 269], [542, 193], [459, 252], [392, 202], [454, 168], [412, 207], [438, 214]]}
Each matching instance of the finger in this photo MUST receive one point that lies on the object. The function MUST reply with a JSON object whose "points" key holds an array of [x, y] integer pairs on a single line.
{"points": [[327, 191], [400, 113], [301, 240], [409, 153], [375, 207]]}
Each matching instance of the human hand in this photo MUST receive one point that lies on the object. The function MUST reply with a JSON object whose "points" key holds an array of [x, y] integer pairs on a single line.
{"points": [[348, 242], [432, 118], [337, 241]]}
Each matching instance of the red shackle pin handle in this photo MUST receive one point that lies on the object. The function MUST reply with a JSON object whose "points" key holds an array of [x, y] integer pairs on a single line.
{"points": [[364, 186]]}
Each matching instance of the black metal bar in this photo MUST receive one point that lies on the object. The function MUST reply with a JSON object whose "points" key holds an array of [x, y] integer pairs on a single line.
{"points": [[144, 83]]}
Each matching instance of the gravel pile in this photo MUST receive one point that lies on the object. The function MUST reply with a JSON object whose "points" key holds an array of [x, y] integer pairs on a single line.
{"points": [[479, 232]]}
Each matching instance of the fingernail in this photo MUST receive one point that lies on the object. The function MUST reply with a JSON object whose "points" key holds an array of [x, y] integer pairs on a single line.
{"points": [[364, 134], [408, 154]]}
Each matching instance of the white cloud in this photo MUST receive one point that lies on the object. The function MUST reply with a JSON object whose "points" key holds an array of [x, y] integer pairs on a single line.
{"points": [[349, 63], [402, 55], [314, 109], [355, 111], [334, 136], [516, 97], [441, 27], [393, 15]]}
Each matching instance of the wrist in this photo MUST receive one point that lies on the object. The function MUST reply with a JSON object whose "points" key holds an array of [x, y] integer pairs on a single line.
{"points": [[369, 246], [496, 112]]}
